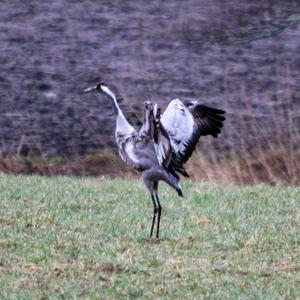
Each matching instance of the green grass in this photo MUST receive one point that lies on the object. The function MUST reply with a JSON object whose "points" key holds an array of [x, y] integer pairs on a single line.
{"points": [[87, 238]]}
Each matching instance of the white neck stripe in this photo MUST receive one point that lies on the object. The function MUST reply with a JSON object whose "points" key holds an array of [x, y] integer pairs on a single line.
{"points": [[108, 92]]}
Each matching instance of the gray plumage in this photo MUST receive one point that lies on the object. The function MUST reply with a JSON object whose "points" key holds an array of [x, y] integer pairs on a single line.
{"points": [[164, 142]]}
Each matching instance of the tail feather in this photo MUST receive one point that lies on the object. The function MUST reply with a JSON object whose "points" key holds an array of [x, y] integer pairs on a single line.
{"points": [[173, 180]]}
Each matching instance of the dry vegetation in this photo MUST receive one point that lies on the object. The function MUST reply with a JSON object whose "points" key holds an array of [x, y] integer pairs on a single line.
{"points": [[249, 151], [273, 167]]}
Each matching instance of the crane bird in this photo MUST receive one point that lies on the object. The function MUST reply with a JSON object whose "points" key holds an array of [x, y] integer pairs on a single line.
{"points": [[164, 143]]}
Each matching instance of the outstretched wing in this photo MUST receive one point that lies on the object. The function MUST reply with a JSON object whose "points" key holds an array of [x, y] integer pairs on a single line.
{"points": [[161, 140], [185, 125]]}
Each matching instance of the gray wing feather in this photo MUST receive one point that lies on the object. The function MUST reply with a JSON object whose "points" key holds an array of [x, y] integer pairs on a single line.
{"points": [[162, 144], [179, 123], [185, 126]]}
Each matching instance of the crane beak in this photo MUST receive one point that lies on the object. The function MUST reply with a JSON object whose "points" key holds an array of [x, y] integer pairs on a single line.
{"points": [[90, 89]]}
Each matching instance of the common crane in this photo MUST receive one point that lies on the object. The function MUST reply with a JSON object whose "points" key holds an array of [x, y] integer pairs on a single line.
{"points": [[164, 143]]}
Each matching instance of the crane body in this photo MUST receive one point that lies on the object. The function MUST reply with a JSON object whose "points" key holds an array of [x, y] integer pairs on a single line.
{"points": [[164, 142]]}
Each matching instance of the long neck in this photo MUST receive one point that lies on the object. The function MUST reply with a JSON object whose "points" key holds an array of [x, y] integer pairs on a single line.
{"points": [[113, 99], [122, 125]]}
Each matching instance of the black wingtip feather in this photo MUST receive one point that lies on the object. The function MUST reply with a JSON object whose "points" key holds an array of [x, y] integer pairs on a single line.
{"points": [[215, 110], [207, 121], [210, 119]]}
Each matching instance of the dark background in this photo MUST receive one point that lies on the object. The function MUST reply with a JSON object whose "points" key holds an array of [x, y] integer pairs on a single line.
{"points": [[242, 56]]}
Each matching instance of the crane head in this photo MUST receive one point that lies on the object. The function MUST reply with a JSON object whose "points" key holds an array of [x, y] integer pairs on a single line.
{"points": [[99, 87]]}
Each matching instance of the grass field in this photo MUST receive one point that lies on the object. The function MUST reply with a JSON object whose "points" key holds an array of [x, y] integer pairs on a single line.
{"points": [[87, 238]]}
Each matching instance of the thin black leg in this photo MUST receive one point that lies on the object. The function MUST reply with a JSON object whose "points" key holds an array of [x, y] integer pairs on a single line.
{"points": [[159, 209], [154, 215]]}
